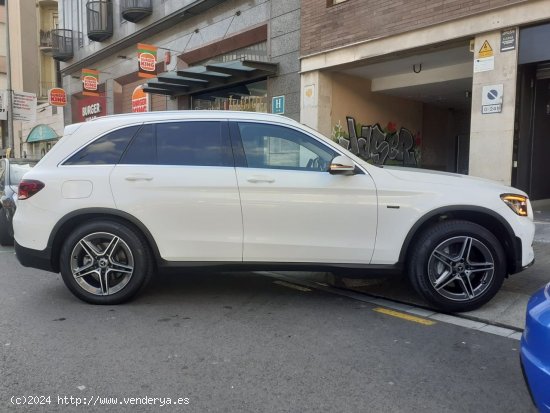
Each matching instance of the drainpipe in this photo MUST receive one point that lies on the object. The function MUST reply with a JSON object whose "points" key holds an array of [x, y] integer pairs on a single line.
{"points": [[10, 97]]}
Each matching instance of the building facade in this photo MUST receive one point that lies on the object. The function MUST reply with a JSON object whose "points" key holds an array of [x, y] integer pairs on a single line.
{"points": [[210, 54], [3, 78], [455, 85], [33, 71]]}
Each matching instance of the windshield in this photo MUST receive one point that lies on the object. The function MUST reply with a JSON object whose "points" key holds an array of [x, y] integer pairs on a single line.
{"points": [[18, 169]]}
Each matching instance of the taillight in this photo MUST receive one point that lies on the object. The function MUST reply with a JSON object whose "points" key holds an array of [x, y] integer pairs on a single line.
{"points": [[29, 187]]}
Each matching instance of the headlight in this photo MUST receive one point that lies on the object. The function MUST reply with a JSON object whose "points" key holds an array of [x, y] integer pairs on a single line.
{"points": [[517, 203]]}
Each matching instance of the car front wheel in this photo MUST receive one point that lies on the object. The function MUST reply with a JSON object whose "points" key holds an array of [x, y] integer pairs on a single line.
{"points": [[457, 265], [105, 262]]}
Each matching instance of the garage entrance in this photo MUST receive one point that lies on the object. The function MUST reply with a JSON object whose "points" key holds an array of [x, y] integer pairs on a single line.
{"points": [[423, 97]]}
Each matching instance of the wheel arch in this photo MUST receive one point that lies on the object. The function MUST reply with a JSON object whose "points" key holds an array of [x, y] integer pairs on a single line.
{"points": [[66, 224], [487, 218]]}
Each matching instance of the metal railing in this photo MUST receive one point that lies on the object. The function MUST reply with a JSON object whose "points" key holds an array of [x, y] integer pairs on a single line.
{"points": [[62, 44], [99, 14], [45, 39], [135, 10]]}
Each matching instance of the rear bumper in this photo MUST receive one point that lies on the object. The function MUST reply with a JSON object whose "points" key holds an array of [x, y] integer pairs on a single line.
{"points": [[34, 258]]}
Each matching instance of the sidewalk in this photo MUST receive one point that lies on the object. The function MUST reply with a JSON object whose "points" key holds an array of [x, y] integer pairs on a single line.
{"points": [[507, 308]]}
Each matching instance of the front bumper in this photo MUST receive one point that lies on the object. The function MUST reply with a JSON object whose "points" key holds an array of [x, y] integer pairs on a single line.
{"points": [[28, 257], [537, 378]]}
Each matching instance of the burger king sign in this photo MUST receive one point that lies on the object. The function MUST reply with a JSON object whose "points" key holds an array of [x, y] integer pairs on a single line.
{"points": [[147, 60], [140, 100], [57, 97], [90, 82]]}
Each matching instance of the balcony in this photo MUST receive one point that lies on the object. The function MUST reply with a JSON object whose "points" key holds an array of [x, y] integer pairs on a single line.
{"points": [[46, 41], [100, 20], [62, 44], [135, 10]]}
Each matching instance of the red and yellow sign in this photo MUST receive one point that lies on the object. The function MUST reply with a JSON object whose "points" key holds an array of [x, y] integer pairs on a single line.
{"points": [[57, 97], [140, 100], [90, 82], [147, 60]]}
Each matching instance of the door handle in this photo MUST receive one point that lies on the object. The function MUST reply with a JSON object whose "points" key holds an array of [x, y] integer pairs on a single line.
{"points": [[256, 179], [135, 178]]}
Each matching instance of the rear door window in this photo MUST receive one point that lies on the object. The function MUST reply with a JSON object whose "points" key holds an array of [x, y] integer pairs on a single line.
{"points": [[193, 143]]}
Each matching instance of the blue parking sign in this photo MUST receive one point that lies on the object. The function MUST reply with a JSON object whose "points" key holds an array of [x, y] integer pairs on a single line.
{"points": [[278, 105]]}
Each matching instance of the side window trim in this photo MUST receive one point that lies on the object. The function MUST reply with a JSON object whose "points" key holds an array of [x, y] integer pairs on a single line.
{"points": [[227, 143], [237, 145]]}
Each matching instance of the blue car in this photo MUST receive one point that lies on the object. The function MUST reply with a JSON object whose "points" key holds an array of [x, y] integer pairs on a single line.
{"points": [[535, 349]]}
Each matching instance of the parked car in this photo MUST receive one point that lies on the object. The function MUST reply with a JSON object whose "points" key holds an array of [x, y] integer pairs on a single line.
{"points": [[123, 196], [535, 349], [11, 173]]}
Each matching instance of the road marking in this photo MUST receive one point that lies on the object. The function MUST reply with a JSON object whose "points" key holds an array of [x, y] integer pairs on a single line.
{"points": [[466, 322], [404, 316], [293, 286]]}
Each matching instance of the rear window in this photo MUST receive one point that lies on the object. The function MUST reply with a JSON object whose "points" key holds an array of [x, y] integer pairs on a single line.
{"points": [[106, 150]]}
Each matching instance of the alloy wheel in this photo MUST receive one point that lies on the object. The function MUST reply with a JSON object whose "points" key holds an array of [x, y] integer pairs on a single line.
{"points": [[461, 268], [102, 263]]}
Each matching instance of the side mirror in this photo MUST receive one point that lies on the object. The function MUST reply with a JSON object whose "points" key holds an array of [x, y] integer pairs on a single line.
{"points": [[341, 165]]}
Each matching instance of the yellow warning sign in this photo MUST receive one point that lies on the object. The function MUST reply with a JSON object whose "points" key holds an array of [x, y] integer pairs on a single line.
{"points": [[486, 50]]}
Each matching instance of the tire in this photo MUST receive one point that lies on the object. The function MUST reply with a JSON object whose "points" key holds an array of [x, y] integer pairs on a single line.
{"points": [[457, 265], [5, 238], [105, 262]]}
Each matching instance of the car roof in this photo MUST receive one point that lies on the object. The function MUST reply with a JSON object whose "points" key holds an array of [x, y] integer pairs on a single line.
{"points": [[195, 114], [174, 115]]}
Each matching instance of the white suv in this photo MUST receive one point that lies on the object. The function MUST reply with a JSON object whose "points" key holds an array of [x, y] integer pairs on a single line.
{"points": [[124, 196]]}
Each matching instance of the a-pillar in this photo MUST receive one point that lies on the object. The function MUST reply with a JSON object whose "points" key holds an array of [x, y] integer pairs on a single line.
{"points": [[492, 135]]}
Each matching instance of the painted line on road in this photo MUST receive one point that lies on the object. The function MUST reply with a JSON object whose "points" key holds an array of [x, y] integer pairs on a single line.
{"points": [[405, 308], [293, 286], [404, 316]]}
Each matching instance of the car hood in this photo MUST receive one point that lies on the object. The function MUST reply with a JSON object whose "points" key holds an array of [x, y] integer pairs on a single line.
{"points": [[447, 178]]}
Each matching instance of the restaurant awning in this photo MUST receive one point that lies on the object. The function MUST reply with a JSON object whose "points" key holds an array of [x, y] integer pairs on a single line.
{"points": [[41, 133], [211, 76]]}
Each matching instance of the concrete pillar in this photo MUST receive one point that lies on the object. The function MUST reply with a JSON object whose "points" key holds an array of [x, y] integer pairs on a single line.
{"points": [[110, 96], [171, 103], [316, 101], [492, 135]]}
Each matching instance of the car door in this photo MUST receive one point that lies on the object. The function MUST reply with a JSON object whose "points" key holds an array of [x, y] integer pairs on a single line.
{"points": [[294, 210], [178, 179]]}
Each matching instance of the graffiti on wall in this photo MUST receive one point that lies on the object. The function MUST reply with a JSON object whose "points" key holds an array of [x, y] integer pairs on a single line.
{"points": [[379, 146]]}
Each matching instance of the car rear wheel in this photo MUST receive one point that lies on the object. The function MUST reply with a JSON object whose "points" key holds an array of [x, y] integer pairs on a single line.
{"points": [[5, 237], [105, 262], [457, 265]]}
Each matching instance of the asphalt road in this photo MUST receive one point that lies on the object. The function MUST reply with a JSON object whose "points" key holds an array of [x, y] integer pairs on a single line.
{"points": [[240, 343]]}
